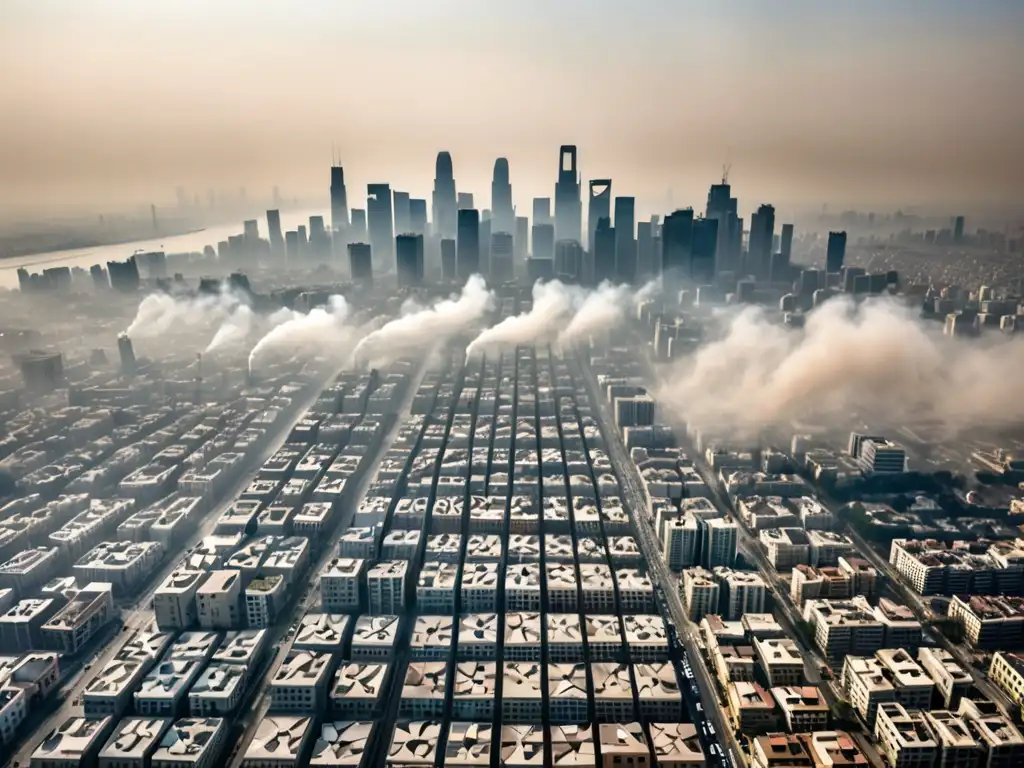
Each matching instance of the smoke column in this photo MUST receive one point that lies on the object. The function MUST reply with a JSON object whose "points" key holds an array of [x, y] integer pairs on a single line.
{"points": [[600, 311], [421, 330], [553, 304], [161, 313], [237, 326], [322, 329], [875, 360]]}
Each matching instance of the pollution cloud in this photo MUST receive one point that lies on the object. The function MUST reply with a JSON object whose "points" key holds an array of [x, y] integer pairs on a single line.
{"points": [[162, 313], [420, 329], [602, 310], [323, 330], [877, 360], [553, 305]]}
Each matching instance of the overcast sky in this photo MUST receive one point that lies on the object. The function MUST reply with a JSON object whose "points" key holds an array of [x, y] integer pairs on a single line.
{"points": [[870, 103]]}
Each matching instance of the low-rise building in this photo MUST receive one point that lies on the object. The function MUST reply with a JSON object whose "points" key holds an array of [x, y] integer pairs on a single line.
{"points": [[478, 636], [264, 597], [245, 647], [74, 742], [174, 602], [431, 638], [904, 737], [1007, 671], [1001, 742], [301, 682], [780, 750], [567, 692], [473, 689], [810, 583], [658, 691], [414, 743], [326, 632], [162, 691], [341, 743], [133, 742], [522, 636], [357, 689], [21, 626], [218, 690], [339, 585], [844, 627], [124, 564], [373, 638], [751, 707], [834, 749], [952, 682], [193, 742], [565, 638], [803, 708], [29, 569], [740, 592], [423, 691], [280, 741], [989, 623], [676, 745], [73, 626], [522, 692], [780, 660], [624, 743], [219, 600]]}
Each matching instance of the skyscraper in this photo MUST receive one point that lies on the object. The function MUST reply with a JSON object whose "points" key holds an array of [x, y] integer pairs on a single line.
{"points": [[360, 262], [958, 229], [409, 260], [444, 199], [448, 271], [645, 266], [468, 250], [676, 247], [723, 207], [599, 206], [319, 242], [604, 251], [542, 210], [759, 249], [339, 200], [357, 230], [625, 245], [522, 239], [568, 208], [501, 198], [568, 261], [786, 242], [274, 232], [403, 214], [379, 223], [543, 241], [418, 216], [501, 268], [705, 246], [836, 252], [465, 201]]}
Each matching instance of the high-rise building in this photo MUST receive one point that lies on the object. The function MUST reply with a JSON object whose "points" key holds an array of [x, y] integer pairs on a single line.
{"points": [[418, 216], [676, 247], [543, 241], [501, 199], [127, 354], [448, 271], [723, 207], [468, 251], [486, 229], [379, 222], [274, 232], [625, 244], [759, 249], [539, 269], [604, 251], [645, 266], [542, 210], [599, 206], [522, 239], [705, 246], [319, 242], [409, 260], [786, 242], [291, 247], [251, 232], [836, 252], [720, 539], [465, 201], [568, 207], [568, 260], [403, 214], [501, 268], [444, 200], [357, 230], [360, 262], [958, 229], [339, 199]]}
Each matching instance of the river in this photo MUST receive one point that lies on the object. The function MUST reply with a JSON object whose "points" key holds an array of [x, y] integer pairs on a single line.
{"points": [[100, 254]]}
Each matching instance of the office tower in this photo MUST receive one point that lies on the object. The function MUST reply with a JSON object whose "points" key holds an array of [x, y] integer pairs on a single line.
{"points": [[468, 245], [644, 250], [568, 260], [403, 215], [448, 259], [409, 260], [604, 251], [251, 232], [786, 242], [465, 201], [501, 266], [360, 263], [485, 245], [835, 254], [542, 210], [625, 245], [539, 269], [291, 246], [720, 538], [522, 238], [568, 207], [958, 229], [705, 245], [501, 198], [319, 241], [357, 229], [100, 282], [723, 207], [418, 216], [339, 200], [274, 232], [127, 353], [303, 241], [599, 206], [443, 203], [379, 222], [759, 249], [543, 241], [676, 247]]}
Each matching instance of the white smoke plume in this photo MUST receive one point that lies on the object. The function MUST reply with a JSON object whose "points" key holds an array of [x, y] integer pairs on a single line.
{"points": [[162, 313], [322, 330], [600, 312], [876, 360], [553, 305], [235, 329], [420, 330]]}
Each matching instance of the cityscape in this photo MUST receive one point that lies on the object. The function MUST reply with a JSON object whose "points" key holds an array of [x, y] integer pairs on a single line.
{"points": [[388, 475]]}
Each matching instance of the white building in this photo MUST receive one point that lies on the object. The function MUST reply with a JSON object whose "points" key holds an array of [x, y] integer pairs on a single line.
{"points": [[741, 591], [192, 742], [301, 682], [339, 584], [679, 542], [133, 742], [720, 541], [700, 593], [218, 690], [219, 600], [357, 689], [174, 602], [373, 638], [280, 741], [264, 597]]}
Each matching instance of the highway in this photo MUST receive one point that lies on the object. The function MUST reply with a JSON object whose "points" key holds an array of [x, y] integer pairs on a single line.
{"points": [[635, 496], [139, 614]]}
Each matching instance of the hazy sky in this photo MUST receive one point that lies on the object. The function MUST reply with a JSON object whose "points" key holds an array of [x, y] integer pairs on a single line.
{"points": [[875, 102]]}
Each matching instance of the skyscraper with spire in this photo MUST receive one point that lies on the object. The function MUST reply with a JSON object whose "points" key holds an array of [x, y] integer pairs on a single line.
{"points": [[502, 212], [445, 206], [568, 206], [339, 200]]}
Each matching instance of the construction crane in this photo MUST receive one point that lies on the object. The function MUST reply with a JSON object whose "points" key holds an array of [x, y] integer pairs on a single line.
{"points": [[727, 166]]}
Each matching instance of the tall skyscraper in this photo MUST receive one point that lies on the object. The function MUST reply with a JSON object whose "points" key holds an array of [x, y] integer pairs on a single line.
{"points": [[468, 251], [543, 241], [448, 270], [836, 252], [319, 242], [676, 247], [625, 244], [357, 230], [403, 214], [291, 247], [251, 232], [274, 232], [522, 239], [759, 249], [723, 207], [444, 199], [604, 251], [568, 207], [465, 201], [501, 268], [360, 262], [501, 198], [958, 229], [409, 260], [599, 206], [339, 199], [786, 242], [645, 266], [568, 265], [379, 222], [418, 216], [542, 210], [485, 245], [705, 246]]}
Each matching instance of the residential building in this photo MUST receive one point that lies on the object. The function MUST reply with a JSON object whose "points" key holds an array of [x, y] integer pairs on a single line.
{"points": [[803, 708], [741, 592], [192, 742], [780, 660], [904, 737], [301, 682], [219, 600], [700, 593]]}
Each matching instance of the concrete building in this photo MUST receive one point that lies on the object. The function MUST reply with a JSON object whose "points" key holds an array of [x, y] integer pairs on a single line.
{"points": [[357, 689], [75, 742], [803, 708], [676, 745], [952, 682], [264, 597], [751, 707], [679, 542], [431, 638], [473, 691], [301, 682], [124, 564], [374, 638], [522, 692], [192, 742], [904, 738], [478, 636], [741, 592], [423, 691], [989, 623], [414, 743], [522, 636], [700, 593], [567, 691], [218, 690], [780, 660], [786, 548], [73, 626], [624, 744], [780, 750], [133, 742], [720, 541], [280, 741], [646, 638], [844, 627], [245, 647], [340, 585], [174, 602], [324, 632], [28, 569], [341, 743], [219, 600]]}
